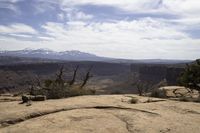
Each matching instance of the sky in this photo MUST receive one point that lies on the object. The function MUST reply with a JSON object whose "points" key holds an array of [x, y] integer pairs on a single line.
{"points": [[131, 29]]}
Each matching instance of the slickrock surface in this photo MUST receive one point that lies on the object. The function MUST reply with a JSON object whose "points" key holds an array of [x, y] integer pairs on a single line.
{"points": [[100, 114]]}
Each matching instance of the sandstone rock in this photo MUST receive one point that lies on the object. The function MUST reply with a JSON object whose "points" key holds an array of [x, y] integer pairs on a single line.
{"points": [[101, 114], [26, 98], [38, 98], [170, 92]]}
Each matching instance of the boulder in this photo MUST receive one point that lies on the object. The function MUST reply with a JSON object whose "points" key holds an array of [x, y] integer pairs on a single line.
{"points": [[170, 92], [159, 92], [39, 98], [26, 98]]}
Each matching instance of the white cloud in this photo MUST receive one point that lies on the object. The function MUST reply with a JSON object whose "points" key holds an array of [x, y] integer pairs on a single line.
{"points": [[184, 8], [141, 38], [144, 38], [134, 5], [61, 16], [139, 29], [17, 28], [20, 35], [43, 6], [78, 15], [128, 5], [10, 4], [177, 7], [44, 38], [11, 1]]}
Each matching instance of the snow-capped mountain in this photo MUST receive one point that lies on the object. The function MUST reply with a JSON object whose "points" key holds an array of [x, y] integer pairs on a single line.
{"points": [[73, 55]]}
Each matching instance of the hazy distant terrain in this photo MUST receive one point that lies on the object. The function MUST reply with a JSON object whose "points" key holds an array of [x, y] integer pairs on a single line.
{"points": [[18, 68], [43, 54], [49, 54]]}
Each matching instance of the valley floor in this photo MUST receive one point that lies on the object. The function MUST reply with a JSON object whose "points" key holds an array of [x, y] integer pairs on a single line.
{"points": [[100, 114]]}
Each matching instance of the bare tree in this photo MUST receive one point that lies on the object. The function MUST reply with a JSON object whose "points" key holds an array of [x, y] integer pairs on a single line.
{"points": [[142, 87], [59, 78], [86, 78], [38, 82], [34, 83], [74, 76]]}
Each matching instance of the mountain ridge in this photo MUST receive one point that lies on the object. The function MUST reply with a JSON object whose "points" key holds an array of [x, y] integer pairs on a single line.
{"points": [[75, 55]]}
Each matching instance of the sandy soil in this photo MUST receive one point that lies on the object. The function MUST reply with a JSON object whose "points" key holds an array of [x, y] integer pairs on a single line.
{"points": [[100, 114]]}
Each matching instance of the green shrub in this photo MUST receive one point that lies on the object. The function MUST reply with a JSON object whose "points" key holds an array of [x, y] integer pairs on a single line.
{"points": [[56, 91], [159, 93], [191, 76], [77, 91], [134, 100]]}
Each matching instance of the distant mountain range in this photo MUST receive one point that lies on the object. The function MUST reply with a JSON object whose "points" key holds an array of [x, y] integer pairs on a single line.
{"points": [[49, 54], [74, 55]]}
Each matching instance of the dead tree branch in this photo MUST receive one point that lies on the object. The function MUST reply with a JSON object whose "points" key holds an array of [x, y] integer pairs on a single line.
{"points": [[59, 78], [86, 78], [74, 76]]}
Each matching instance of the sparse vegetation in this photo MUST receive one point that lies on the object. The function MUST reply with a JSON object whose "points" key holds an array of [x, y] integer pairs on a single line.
{"points": [[77, 91], [191, 76], [27, 98], [142, 87], [149, 100], [134, 100], [157, 91], [61, 88]]}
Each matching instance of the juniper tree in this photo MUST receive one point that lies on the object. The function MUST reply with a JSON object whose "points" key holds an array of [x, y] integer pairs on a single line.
{"points": [[191, 76]]}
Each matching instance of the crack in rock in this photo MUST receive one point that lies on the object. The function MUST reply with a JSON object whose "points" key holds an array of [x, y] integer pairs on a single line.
{"points": [[128, 125], [192, 112], [5, 123]]}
